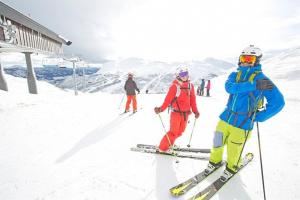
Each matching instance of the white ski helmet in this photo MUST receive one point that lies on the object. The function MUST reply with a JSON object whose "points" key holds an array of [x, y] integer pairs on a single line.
{"points": [[182, 72], [252, 50]]}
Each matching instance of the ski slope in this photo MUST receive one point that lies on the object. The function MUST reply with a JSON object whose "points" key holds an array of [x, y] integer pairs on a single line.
{"points": [[57, 146]]}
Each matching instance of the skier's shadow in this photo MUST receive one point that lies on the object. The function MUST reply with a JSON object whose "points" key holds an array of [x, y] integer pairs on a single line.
{"points": [[93, 137], [235, 189], [165, 176]]}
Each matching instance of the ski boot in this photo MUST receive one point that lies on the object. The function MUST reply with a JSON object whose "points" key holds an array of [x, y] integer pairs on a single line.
{"points": [[211, 167], [169, 151], [227, 174]]}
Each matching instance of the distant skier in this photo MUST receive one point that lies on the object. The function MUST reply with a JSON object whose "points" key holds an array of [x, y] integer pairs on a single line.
{"points": [[130, 88], [247, 88], [202, 87], [208, 86], [181, 99], [198, 90]]}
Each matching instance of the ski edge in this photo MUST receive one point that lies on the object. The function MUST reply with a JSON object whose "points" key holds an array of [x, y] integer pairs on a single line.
{"points": [[183, 149], [211, 190], [191, 182], [178, 154]]}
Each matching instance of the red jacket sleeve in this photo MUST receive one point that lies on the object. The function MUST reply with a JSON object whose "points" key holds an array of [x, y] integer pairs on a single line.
{"points": [[170, 96], [193, 100]]}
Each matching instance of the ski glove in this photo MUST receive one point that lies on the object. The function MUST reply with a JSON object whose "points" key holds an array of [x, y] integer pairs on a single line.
{"points": [[157, 110], [197, 114], [264, 84]]}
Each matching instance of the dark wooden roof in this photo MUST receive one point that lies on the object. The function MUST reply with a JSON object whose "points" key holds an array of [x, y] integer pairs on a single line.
{"points": [[18, 17]]}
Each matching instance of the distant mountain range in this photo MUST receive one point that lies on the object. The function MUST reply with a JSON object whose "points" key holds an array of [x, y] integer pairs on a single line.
{"points": [[52, 74], [155, 77]]}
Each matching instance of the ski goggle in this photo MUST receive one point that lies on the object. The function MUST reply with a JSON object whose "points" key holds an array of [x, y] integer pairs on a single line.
{"points": [[183, 74], [250, 59]]}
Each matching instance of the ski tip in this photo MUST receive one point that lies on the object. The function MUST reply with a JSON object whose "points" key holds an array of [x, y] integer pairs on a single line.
{"points": [[249, 155], [178, 190]]}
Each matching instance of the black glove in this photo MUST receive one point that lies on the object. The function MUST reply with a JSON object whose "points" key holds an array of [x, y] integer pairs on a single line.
{"points": [[138, 91], [264, 84], [157, 110], [197, 114]]}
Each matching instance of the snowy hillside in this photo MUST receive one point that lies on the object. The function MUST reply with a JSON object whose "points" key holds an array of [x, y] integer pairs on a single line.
{"points": [[55, 145], [154, 76]]}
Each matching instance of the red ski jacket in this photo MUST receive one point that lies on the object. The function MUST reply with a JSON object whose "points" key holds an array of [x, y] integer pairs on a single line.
{"points": [[208, 85], [186, 100]]}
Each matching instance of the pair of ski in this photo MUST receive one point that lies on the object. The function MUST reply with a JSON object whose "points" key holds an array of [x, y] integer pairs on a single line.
{"points": [[130, 113], [177, 151], [187, 185], [212, 189]]}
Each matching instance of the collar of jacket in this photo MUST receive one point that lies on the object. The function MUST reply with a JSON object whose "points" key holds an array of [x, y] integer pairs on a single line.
{"points": [[182, 84], [252, 69]]}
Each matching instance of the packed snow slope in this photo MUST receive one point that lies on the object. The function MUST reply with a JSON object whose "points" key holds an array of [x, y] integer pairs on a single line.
{"points": [[55, 145]]}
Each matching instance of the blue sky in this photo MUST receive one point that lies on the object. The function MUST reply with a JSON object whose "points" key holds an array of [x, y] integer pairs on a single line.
{"points": [[167, 30]]}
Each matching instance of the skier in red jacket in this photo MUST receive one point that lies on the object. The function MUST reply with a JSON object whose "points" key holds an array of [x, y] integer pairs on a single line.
{"points": [[181, 99]]}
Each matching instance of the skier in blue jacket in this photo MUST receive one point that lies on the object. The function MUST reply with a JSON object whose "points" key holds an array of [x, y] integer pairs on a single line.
{"points": [[248, 88]]}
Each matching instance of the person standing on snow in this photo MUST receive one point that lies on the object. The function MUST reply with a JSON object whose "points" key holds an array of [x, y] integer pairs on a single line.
{"points": [[181, 99], [246, 88], [198, 90], [208, 88], [202, 87], [130, 88]]}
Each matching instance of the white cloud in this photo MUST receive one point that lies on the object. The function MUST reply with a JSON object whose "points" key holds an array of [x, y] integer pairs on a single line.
{"points": [[170, 30], [180, 30]]}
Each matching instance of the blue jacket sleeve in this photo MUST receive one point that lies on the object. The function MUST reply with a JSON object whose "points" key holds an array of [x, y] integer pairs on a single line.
{"points": [[275, 103], [232, 87]]}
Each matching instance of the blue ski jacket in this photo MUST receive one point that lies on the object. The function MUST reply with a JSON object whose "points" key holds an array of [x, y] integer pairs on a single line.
{"points": [[244, 99]]}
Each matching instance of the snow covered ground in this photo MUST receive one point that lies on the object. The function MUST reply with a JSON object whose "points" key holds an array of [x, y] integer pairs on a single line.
{"points": [[57, 146]]}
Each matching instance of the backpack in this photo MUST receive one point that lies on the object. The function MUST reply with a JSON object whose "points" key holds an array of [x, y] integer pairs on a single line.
{"points": [[178, 92]]}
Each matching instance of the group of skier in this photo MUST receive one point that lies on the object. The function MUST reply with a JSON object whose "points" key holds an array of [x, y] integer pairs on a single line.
{"points": [[200, 89], [247, 87]]}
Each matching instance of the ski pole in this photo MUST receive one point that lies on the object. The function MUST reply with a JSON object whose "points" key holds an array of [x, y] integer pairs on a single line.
{"points": [[189, 145], [261, 164], [121, 101], [166, 134], [248, 131], [165, 130]]}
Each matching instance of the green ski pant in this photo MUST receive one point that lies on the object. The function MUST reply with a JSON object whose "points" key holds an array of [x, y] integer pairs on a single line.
{"points": [[231, 136]]}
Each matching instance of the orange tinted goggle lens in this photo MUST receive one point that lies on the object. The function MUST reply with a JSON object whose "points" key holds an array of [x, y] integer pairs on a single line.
{"points": [[247, 59]]}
